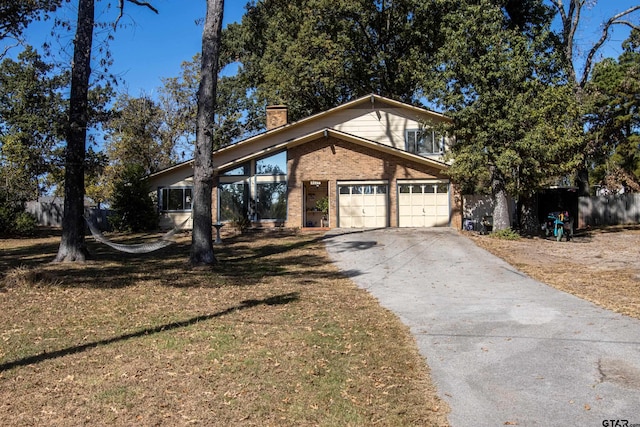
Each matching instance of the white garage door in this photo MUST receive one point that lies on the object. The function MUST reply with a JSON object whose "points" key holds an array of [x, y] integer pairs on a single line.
{"points": [[423, 204], [362, 205]]}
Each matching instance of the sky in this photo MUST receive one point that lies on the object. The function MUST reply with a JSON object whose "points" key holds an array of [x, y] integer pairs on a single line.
{"points": [[149, 46]]}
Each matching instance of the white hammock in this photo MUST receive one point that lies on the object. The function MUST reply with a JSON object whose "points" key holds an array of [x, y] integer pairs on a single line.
{"points": [[140, 248]]}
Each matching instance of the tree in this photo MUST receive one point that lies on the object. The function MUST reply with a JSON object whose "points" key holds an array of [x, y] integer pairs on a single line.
{"points": [[134, 135], [500, 86], [32, 111], [315, 54], [178, 103], [15, 16], [234, 118], [133, 208], [615, 119], [72, 244], [570, 16], [202, 237]]}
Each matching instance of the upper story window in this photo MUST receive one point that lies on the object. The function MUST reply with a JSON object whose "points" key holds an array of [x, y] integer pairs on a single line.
{"points": [[239, 171], [424, 141], [272, 165]]}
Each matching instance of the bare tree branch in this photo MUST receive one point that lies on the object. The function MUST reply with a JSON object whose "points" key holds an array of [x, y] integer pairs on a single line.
{"points": [[604, 36], [121, 8], [136, 2], [6, 49], [629, 24], [570, 21], [143, 3]]}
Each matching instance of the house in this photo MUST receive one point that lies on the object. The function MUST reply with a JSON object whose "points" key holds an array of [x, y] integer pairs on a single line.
{"points": [[374, 162]]}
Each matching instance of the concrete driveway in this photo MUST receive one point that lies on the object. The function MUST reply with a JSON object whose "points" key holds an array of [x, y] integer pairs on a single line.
{"points": [[503, 349]]}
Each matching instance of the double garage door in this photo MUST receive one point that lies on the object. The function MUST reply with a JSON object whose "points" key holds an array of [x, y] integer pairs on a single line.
{"points": [[420, 204]]}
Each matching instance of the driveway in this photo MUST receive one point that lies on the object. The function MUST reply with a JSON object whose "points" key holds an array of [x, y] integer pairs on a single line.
{"points": [[503, 349]]}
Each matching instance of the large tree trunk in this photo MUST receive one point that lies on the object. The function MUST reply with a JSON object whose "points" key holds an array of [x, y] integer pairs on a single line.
{"points": [[528, 216], [202, 237], [582, 181], [501, 220], [72, 245]]}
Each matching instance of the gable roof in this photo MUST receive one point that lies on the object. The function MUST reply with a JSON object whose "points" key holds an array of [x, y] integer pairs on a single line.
{"points": [[328, 132], [262, 144], [372, 99]]}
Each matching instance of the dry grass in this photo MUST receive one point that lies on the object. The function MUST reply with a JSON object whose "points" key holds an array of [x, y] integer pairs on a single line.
{"points": [[273, 335], [602, 266]]}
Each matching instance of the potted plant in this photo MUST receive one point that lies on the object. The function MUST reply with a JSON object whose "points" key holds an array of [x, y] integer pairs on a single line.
{"points": [[323, 206]]}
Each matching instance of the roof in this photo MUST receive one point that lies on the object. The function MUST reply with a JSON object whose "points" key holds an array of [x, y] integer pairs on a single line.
{"points": [[245, 152], [372, 98], [171, 168], [328, 132]]}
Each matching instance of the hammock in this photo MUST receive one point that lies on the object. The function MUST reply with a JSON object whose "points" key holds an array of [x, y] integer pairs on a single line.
{"points": [[140, 248]]}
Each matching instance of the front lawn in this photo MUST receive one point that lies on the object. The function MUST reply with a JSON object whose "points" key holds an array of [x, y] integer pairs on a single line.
{"points": [[273, 335]]}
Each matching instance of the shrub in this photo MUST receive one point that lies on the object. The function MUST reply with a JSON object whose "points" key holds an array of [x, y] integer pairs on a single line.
{"points": [[15, 221], [25, 224], [241, 223], [506, 234], [132, 206]]}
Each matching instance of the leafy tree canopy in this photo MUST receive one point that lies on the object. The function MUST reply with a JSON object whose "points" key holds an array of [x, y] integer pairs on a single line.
{"points": [[133, 135], [16, 15], [614, 134], [32, 117], [315, 54], [500, 83]]}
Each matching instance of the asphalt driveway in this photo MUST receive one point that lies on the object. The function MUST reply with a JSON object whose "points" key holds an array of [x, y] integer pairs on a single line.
{"points": [[503, 348]]}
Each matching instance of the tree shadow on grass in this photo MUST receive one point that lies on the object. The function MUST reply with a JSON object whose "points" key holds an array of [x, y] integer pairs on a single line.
{"points": [[244, 305], [243, 260]]}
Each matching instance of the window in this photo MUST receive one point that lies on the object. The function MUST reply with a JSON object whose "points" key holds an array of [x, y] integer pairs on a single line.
{"points": [[234, 201], [424, 142], [239, 171], [175, 199], [272, 201], [256, 190], [272, 165]]}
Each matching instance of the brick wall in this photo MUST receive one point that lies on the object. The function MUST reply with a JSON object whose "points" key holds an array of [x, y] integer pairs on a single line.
{"points": [[331, 159]]}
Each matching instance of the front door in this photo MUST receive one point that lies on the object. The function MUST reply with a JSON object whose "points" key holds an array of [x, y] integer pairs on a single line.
{"points": [[316, 203]]}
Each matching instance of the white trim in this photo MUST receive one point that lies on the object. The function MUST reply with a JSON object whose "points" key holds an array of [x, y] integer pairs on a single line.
{"points": [[270, 178], [423, 181], [364, 182]]}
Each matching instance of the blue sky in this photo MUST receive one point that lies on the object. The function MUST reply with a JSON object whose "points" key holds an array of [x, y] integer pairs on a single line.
{"points": [[155, 45], [149, 47]]}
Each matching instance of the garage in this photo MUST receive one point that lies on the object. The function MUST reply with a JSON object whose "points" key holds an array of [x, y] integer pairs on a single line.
{"points": [[423, 203], [363, 205]]}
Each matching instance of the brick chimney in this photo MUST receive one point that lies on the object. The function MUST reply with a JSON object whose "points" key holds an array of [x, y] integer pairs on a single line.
{"points": [[277, 115]]}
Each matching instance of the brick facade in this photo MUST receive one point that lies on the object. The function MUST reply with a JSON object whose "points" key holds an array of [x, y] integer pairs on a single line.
{"points": [[332, 159]]}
